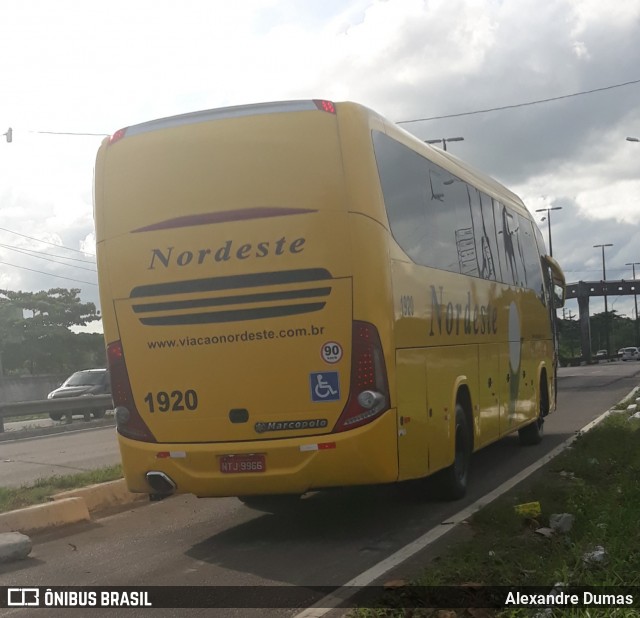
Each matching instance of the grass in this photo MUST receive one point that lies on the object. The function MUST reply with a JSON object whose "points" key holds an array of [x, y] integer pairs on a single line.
{"points": [[597, 480], [12, 498]]}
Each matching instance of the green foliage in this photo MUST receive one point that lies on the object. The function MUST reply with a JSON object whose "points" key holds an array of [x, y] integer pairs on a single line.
{"points": [[12, 498], [621, 331], [597, 481], [36, 336]]}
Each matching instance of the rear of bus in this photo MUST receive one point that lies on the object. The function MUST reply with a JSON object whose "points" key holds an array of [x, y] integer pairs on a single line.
{"points": [[246, 304]]}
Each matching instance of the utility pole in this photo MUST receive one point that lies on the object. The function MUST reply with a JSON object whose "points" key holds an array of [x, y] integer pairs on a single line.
{"points": [[635, 299], [604, 281], [548, 211]]}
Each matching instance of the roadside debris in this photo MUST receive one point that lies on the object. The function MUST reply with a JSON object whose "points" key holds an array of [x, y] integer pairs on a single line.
{"points": [[561, 522], [14, 546], [528, 509], [395, 584], [597, 556]]}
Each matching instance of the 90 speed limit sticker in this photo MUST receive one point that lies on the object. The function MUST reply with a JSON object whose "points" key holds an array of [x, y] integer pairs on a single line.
{"points": [[331, 352]]}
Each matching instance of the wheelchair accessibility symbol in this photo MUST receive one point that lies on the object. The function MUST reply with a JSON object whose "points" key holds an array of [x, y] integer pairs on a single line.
{"points": [[325, 386]]}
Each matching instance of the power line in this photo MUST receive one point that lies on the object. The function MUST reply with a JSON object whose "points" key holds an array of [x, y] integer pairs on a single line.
{"points": [[51, 255], [39, 257], [4, 229], [40, 272], [503, 107]]}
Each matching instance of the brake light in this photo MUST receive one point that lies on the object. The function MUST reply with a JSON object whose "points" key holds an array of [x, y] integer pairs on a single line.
{"points": [[369, 389], [128, 419], [118, 135], [325, 106]]}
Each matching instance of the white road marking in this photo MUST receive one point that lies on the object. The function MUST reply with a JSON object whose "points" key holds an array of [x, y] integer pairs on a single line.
{"points": [[331, 601]]}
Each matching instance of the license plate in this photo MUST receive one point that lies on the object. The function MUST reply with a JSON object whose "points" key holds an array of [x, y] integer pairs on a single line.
{"points": [[237, 464]]}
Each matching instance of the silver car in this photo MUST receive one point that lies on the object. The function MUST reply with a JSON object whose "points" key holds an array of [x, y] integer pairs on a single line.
{"points": [[630, 354], [86, 382]]}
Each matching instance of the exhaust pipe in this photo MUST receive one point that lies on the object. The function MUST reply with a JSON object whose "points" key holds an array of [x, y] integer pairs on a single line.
{"points": [[160, 483]]}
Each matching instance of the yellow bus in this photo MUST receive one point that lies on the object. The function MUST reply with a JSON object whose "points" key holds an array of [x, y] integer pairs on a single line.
{"points": [[302, 295]]}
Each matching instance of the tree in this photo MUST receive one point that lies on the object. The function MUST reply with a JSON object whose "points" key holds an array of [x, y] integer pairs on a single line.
{"points": [[35, 332]]}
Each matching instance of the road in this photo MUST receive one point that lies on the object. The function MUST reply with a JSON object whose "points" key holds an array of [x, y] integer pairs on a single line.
{"points": [[22, 462], [328, 540]]}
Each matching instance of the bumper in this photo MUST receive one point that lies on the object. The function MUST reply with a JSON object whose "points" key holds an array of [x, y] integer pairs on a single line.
{"points": [[363, 456]]}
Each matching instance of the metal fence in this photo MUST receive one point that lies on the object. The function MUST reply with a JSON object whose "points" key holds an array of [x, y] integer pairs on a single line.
{"points": [[63, 405]]}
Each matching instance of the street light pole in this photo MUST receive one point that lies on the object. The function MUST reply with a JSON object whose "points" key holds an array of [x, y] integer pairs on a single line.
{"points": [[444, 140], [548, 211], [635, 298], [604, 279]]}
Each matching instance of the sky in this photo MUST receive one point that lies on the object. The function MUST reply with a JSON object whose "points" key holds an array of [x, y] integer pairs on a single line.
{"points": [[74, 71]]}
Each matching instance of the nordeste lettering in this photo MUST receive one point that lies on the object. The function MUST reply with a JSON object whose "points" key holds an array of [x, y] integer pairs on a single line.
{"points": [[170, 256]]}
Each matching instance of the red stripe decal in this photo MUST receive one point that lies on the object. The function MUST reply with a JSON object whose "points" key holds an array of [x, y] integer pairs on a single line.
{"points": [[225, 216]]}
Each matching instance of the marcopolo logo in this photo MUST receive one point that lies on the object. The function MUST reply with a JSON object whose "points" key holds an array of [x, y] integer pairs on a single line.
{"points": [[315, 423]]}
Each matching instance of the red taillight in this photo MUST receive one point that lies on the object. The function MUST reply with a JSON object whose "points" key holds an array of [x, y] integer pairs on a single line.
{"points": [[368, 375], [325, 106], [118, 135], [129, 425]]}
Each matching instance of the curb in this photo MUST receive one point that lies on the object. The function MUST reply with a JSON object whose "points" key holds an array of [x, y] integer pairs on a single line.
{"points": [[69, 507], [103, 496], [42, 516]]}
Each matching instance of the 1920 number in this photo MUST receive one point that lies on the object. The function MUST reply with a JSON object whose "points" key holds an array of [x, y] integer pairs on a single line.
{"points": [[176, 401]]}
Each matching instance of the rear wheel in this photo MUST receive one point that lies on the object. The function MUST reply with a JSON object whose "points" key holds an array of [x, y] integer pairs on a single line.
{"points": [[99, 413], [532, 434], [56, 416], [453, 480]]}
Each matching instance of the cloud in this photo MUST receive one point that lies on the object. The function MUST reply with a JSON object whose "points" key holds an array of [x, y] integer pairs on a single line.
{"points": [[87, 67]]}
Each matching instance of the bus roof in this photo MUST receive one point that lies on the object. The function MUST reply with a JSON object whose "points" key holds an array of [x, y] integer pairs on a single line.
{"points": [[221, 113], [450, 162]]}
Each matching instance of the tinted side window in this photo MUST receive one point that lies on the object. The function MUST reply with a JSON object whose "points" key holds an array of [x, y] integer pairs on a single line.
{"points": [[509, 245], [532, 265], [457, 198], [485, 235], [428, 208]]}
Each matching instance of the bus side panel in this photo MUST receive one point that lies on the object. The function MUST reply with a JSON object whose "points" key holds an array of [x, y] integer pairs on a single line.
{"points": [[414, 426], [528, 397], [529, 341], [487, 418], [447, 368]]}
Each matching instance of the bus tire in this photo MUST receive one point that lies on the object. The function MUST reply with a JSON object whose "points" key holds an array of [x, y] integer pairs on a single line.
{"points": [[533, 433], [270, 503], [453, 480], [56, 416], [99, 413]]}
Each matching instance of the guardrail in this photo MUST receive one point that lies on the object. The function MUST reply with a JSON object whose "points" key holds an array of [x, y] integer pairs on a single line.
{"points": [[88, 403]]}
